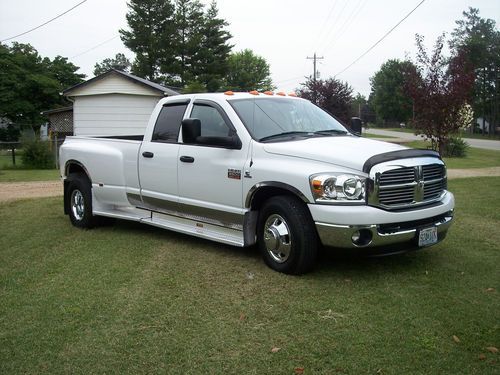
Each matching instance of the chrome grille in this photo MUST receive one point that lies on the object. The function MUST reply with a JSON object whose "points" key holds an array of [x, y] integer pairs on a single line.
{"points": [[406, 186]]}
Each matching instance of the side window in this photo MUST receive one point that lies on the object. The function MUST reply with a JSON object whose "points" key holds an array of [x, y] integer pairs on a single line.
{"points": [[212, 123], [168, 123]]}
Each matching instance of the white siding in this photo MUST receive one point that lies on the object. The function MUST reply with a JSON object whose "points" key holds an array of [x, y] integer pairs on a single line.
{"points": [[113, 114], [114, 83]]}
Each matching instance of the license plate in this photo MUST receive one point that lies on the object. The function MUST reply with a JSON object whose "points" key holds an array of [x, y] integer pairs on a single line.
{"points": [[427, 236]]}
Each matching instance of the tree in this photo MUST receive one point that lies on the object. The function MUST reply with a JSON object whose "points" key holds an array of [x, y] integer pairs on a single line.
{"points": [[439, 88], [30, 84], [119, 62], [332, 95], [189, 20], [248, 71], [388, 97], [481, 40], [151, 37], [212, 58]]}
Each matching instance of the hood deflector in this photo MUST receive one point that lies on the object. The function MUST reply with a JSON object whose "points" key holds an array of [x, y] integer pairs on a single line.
{"points": [[400, 154]]}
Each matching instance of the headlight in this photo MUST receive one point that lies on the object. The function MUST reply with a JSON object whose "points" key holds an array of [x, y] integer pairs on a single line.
{"points": [[333, 188]]}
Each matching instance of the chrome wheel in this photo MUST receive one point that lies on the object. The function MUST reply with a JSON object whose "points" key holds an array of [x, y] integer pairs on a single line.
{"points": [[277, 238], [77, 204]]}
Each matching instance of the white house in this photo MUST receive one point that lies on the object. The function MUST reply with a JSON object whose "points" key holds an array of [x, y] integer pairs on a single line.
{"points": [[114, 103]]}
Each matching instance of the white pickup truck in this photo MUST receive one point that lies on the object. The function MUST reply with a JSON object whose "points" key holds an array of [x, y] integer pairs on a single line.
{"points": [[246, 168]]}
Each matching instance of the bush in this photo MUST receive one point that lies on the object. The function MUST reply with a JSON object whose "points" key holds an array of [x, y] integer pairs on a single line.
{"points": [[37, 155], [456, 148]]}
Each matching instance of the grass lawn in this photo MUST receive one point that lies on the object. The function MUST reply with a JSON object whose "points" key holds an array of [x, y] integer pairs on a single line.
{"points": [[476, 157], [368, 135], [135, 299], [16, 175]]}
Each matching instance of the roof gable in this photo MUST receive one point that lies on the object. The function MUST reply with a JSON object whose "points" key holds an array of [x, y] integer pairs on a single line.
{"points": [[118, 82]]}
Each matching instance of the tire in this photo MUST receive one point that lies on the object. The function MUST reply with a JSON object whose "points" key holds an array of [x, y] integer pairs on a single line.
{"points": [[80, 201], [286, 235]]}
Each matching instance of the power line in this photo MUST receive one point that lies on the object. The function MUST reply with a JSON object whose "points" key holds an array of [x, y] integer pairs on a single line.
{"points": [[94, 47], [43, 24], [381, 39]]}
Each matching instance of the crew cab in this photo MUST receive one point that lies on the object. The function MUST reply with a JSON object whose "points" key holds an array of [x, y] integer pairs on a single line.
{"points": [[254, 168]]}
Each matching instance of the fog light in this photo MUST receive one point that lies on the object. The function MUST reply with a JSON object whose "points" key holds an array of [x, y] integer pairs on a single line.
{"points": [[362, 237]]}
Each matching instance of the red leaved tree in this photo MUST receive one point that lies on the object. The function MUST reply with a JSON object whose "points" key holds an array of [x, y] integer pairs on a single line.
{"points": [[439, 88], [332, 95]]}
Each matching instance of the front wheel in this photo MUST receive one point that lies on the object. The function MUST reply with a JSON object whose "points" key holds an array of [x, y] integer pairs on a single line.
{"points": [[286, 235]]}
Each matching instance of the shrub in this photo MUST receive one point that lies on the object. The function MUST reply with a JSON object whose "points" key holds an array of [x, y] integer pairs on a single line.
{"points": [[37, 155], [456, 148]]}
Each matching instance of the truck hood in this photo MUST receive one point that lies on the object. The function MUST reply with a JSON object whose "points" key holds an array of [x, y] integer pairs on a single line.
{"points": [[346, 151]]}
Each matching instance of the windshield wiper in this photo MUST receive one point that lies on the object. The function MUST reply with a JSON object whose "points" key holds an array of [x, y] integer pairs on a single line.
{"points": [[331, 132], [285, 134]]}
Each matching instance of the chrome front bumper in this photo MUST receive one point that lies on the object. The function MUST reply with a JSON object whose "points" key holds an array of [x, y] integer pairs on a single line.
{"points": [[382, 235]]}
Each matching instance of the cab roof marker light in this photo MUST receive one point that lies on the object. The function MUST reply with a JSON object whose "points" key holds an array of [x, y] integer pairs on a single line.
{"points": [[281, 93], [253, 92], [229, 93], [268, 92], [292, 94]]}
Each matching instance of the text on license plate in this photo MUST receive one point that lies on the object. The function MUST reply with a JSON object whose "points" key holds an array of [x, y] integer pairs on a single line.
{"points": [[427, 236]]}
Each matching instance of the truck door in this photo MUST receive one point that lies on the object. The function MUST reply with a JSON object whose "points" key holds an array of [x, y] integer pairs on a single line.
{"points": [[210, 176], [158, 160]]}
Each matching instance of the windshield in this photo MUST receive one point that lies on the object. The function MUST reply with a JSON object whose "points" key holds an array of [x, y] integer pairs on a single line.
{"points": [[268, 118]]}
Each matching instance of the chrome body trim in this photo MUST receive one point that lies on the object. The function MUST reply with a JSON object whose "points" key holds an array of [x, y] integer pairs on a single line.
{"points": [[186, 211], [335, 235]]}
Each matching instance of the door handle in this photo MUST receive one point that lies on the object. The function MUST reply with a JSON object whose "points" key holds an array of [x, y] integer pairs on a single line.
{"points": [[187, 159], [148, 154]]}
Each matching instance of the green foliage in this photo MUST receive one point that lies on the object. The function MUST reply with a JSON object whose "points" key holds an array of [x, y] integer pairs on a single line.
{"points": [[388, 96], [248, 71], [456, 148], [30, 84], [480, 39], [194, 87], [119, 62], [37, 155], [212, 57], [332, 95], [178, 43], [151, 36], [10, 133]]}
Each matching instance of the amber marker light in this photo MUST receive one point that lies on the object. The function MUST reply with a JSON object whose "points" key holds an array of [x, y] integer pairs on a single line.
{"points": [[253, 92], [292, 94], [268, 92], [229, 93], [317, 186]]}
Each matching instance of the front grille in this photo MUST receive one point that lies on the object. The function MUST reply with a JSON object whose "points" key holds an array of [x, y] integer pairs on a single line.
{"points": [[404, 187]]}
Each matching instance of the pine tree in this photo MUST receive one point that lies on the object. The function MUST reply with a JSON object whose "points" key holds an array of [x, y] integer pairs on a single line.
{"points": [[189, 21], [212, 58], [151, 36]]}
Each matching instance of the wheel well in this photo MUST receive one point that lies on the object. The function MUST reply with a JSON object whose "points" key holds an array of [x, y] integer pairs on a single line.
{"points": [[264, 193]]}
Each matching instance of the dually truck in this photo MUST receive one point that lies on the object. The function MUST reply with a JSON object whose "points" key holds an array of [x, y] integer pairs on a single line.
{"points": [[254, 168]]}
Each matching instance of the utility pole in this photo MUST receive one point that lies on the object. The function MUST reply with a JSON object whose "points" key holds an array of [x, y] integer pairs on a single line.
{"points": [[314, 58]]}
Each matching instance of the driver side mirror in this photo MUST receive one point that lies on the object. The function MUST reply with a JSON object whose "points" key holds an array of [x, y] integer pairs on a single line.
{"points": [[191, 129], [191, 134]]}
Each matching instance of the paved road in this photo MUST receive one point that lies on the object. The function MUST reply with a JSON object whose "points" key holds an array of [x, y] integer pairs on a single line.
{"points": [[478, 143]]}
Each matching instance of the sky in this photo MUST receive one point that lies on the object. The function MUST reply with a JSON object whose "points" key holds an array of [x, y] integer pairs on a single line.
{"points": [[284, 32]]}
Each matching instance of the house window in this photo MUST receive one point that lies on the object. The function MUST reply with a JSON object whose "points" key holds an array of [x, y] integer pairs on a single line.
{"points": [[168, 123]]}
